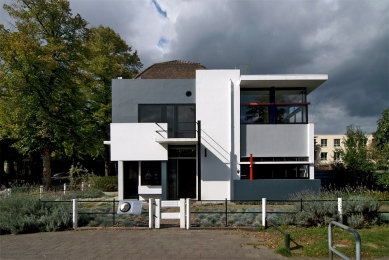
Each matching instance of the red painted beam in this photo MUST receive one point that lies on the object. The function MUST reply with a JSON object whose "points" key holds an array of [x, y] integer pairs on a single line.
{"points": [[251, 168]]}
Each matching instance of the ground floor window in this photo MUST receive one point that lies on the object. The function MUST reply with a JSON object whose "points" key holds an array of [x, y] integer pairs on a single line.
{"points": [[276, 171], [151, 173]]}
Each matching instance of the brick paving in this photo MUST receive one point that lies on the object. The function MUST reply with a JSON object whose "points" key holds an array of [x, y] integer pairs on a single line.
{"points": [[171, 243], [168, 243]]}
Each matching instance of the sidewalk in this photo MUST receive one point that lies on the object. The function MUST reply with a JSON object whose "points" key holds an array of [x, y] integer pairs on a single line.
{"points": [[170, 243]]}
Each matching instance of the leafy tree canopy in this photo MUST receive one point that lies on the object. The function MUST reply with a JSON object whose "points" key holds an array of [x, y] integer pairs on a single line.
{"points": [[55, 78]]}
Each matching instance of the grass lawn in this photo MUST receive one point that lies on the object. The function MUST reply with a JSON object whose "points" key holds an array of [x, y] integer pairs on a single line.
{"points": [[313, 241]]}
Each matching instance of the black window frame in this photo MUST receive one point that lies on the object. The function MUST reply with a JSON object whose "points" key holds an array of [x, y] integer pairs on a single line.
{"points": [[273, 107], [176, 128]]}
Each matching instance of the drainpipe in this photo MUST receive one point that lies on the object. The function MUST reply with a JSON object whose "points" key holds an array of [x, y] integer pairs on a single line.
{"points": [[251, 167]]}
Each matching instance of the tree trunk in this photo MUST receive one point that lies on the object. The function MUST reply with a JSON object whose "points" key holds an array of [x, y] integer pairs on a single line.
{"points": [[106, 160], [46, 166]]}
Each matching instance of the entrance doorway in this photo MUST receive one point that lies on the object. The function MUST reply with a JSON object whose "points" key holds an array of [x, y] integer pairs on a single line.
{"points": [[182, 172], [130, 179]]}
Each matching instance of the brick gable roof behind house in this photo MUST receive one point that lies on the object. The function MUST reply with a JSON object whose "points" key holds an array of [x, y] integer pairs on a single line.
{"points": [[175, 69]]}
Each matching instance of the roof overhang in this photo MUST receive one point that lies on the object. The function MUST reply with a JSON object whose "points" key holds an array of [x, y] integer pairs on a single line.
{"points": [[309, 81]]}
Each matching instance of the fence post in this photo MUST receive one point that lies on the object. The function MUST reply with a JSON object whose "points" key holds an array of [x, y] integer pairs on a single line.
{"points": [[40, 191], [82, 186], [75, 213], [226, 214], [64, 189], [301, 204], [113, 213], [182, 213], [157, 213], [8, 192], [151, 213], [340, 210], [187, 213], [264, 212]]}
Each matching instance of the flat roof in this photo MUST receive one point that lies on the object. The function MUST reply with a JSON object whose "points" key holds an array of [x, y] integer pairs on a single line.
{"points": [[309, 81]]}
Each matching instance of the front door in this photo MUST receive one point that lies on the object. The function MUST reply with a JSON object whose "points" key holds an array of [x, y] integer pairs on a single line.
{"points": [[182, 172], [130, 179]]}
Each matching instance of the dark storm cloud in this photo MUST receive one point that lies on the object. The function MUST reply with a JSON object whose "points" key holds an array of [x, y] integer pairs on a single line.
{"points": [[348, 40]]}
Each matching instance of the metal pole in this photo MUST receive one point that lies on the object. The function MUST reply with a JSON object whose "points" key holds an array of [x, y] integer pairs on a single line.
{"points": [[226, 214], [64, 189], [40, 191], [199, 160], [113, 212], [301, 204], [251, 168]]}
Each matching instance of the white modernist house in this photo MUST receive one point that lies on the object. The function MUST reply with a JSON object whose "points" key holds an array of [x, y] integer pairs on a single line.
{"points": [[193, 138]]}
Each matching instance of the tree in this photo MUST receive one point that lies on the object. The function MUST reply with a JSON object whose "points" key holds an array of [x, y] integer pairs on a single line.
{"points": [[380, 150], [107, 56], [40, 56], [356, 155]]}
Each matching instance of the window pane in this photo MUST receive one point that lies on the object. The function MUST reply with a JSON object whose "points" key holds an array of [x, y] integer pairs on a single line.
{"points": [[150, 114], [254, 114], [257, 96], [290, 114], [186, 124], [151, 173], [289, 96]]}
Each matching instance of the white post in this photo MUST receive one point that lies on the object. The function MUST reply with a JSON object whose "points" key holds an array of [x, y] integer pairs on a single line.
{"points": [[75, 213], [340, 210], [82, 186], [88, 185], [40, 191], [157, 213], [8, 192], [264, 212], [64, 189], [182, 213], [187, 213], [151, 213]]}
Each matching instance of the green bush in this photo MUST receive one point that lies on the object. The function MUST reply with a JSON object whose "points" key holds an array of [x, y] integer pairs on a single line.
{"points": [[104, 183], [26, 214]]}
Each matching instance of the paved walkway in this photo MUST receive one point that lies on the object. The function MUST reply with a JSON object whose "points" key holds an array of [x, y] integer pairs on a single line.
{"points": [[171, 243], [168, 243]]}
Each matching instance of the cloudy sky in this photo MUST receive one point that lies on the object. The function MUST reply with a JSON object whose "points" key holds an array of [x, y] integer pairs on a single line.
{"points": [[348, 40]]}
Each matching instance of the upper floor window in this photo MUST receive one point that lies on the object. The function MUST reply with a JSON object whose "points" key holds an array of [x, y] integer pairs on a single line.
{"points": [[323, 142], [181, 119], [336, 156], [336, 142], [273, 106]]}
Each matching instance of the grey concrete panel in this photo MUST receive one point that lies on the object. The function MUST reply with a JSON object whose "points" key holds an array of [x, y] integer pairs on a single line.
{"points": [[274, 140], [277, 189], [128, 93]]}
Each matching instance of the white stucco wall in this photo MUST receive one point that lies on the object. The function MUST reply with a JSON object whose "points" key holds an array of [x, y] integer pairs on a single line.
{"points": [[136, 142], [213, 108]]}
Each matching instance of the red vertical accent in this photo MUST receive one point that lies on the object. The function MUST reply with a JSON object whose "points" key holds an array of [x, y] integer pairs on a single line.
{"points": [[251, 168]]}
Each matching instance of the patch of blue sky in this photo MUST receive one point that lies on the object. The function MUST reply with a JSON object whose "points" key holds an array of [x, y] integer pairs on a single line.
{"points": [[159, 9], [162, 42]]}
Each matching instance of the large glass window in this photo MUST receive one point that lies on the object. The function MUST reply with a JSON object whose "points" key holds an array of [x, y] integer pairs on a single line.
{"points": [[273, 106], [181, 119], [151, 173], [276, 171]]}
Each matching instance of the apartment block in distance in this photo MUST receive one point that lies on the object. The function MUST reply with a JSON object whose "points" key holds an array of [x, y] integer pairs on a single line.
{"points": [[180, 130], [326, 145]]}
